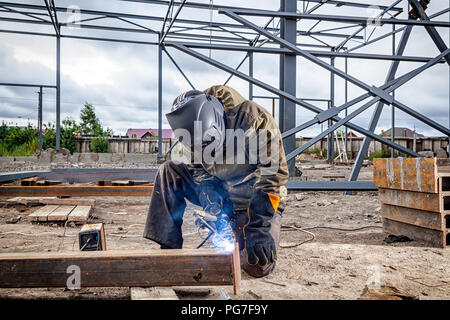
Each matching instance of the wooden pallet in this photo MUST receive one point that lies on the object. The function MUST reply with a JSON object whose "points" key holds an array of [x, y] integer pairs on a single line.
{"points": [[61, 213], [415, 198]]}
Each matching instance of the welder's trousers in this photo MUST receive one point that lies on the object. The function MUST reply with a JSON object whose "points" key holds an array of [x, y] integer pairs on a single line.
{"points": [[173, 184]]}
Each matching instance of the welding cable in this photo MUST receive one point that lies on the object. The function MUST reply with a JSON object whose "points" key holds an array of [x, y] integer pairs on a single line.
{"points": [[318, 227], [313, 236], [332, 228], [36, 234]]}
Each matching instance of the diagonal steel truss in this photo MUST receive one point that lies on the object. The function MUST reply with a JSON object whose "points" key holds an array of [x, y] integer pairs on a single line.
{"points": [[278, 36]]}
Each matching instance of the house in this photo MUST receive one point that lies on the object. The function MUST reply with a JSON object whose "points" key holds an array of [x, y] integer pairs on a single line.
{"points": [[401, 133], [149, 133]]}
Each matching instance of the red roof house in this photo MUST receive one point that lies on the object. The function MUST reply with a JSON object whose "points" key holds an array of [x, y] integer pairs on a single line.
{"points": [[149, 133]]}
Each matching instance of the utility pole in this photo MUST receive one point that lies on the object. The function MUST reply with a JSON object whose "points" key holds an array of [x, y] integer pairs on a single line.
{"points": [[40, 120]]}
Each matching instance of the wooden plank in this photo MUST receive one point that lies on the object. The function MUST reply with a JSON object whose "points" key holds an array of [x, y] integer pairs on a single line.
{"points": [[153, 293], [28, 200], [60, 213], [236, 269], [412, 174], [434, 237], [80, 214], [138, 268], [410, 199], [42, 213], [120, 183], [77, 191], [69, 202], [420, 218], [333, 176], [48, 182], [139, 182], [443, 165], [29, 181]]}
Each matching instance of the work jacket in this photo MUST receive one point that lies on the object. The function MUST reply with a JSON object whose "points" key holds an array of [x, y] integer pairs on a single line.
{"points": [[241, 179]]}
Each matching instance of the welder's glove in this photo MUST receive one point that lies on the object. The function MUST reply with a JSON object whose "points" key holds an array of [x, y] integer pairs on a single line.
{"points": [[259, 243], [213, 198]]}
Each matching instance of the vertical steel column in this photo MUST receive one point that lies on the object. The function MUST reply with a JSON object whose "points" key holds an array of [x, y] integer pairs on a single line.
{"points": [[330, 140], [288, 79], [377, 113], [40, 120], [393, 94], [346, 111], [250, 73], [58, 93], [160, 100]]}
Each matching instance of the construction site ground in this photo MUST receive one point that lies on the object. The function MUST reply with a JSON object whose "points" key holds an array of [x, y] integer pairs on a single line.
{"points": [[337, 264]]}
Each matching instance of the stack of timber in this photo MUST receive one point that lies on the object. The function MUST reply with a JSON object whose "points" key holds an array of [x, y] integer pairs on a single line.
{"points": [[415, 198], [61, 210]]}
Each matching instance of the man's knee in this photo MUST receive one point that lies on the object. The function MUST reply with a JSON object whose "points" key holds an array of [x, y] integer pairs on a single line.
{"points": [[166, 166]]}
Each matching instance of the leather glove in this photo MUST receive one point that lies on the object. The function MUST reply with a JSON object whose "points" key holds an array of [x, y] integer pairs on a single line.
{"points": [[259, 243], [212, 199]]}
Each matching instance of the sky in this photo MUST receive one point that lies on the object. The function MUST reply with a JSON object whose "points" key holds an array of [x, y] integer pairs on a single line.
{"points": [[121, 80]]}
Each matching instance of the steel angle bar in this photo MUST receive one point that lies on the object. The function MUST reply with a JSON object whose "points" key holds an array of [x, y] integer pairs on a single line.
{"points": [[9, 84], [317, 53], [179, 69], [219, 7], [301, 52], [397, 84], [376, 39], [334, 18], [53, 19], [290, 97], [165, 17], [440, 44], [374, 91], [27, 14], [172, 21]]}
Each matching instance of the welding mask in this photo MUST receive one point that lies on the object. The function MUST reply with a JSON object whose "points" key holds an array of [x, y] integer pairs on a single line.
{"points": [[201, 115]]}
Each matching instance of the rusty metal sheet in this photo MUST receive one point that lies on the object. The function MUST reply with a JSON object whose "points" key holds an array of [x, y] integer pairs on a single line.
{"points": [[410, 199], [412, 174]]}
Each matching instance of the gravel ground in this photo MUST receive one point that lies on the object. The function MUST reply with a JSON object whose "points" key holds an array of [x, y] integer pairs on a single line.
{"points": [[337, 264]]}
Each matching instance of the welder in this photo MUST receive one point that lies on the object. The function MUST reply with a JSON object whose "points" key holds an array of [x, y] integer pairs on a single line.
{"points": [[242, 182]]}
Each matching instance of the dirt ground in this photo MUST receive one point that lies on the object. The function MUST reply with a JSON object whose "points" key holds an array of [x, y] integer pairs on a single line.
{"points": [[337, 264]]}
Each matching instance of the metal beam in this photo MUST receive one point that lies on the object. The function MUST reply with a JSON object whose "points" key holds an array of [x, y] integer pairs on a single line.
{"points": [[330, 185], [130, 268], [317, 53], [288, 79], [372, 90], [377, 113], [298, 101], [160, 46], [9, 84], [342, 19], [172, 22], [179, 69], [219, 7], [440, 44], [341, 122]]}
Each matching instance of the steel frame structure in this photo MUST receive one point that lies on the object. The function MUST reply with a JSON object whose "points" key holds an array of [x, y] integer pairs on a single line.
{"points": [[281, 38]]}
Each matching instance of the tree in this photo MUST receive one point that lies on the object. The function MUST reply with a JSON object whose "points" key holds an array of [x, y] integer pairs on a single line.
{"points": [[68, 131], [90, 124]]}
